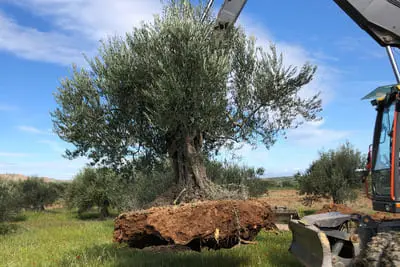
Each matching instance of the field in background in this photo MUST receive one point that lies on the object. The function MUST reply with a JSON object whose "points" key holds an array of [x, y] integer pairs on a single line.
{"points": [[291, 199], [59, 238]]}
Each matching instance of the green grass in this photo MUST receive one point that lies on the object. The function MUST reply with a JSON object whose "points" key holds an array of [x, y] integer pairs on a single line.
{"points": [[59, 238]]}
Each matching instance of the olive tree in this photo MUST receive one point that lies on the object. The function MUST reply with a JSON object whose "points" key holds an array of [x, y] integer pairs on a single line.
{"points": [[10, 200], [36, 193], [333, 174], [178, 88], [98, 188]]}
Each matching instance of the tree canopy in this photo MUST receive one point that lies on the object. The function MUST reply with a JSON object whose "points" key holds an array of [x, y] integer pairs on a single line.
{"points": [[178, 87]]}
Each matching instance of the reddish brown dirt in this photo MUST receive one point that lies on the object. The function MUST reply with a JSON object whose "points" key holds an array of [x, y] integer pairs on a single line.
{"points": [[378, 216], [384, 216], [212, 224]]}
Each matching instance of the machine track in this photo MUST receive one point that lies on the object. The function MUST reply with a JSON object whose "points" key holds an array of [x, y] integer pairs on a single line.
{"points": [[382, 251]]}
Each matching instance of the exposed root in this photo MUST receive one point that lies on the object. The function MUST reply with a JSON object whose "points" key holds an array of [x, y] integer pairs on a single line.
{"points": [[178, 197], [246, 242], [210, 191]]}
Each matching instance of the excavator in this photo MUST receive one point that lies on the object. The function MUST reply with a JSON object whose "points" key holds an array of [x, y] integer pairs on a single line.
{"points": [[333, 239], [336, 239]]}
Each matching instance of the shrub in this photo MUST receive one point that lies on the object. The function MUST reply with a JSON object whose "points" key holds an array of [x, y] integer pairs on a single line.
{"points": [[10, 200], [101, 188], [36, 193], [333, 174], [233, 174]]}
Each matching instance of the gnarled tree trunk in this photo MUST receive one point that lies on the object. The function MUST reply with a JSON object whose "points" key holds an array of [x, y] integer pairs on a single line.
{"points": [[187, 161]]}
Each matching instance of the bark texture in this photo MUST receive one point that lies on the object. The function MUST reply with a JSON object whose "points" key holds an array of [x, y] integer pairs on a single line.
{"points": [[187, 161]]}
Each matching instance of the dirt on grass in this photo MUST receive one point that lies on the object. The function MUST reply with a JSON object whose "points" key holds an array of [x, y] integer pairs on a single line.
{"points": [[210, 224], [293, 200], [378, 216]]}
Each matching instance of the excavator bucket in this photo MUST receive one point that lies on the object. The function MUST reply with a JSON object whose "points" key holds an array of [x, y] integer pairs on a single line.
{"points": [[310, 245], [323, 240]]}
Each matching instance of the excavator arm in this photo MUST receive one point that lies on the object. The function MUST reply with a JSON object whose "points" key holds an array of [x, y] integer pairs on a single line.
{"points": [[379, 18]]}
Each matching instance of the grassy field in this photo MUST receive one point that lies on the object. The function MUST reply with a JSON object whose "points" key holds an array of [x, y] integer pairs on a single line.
{"points": [[59, 238]]}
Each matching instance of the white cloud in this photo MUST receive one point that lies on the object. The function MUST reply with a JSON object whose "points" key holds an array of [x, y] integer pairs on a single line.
{"points": [[289, 155], [365, 47], [79, 24], [95, 19], [313, 135], [14, 155], [31, 129], [54, 145], [322, 56], [58, 169], [33, 44]]}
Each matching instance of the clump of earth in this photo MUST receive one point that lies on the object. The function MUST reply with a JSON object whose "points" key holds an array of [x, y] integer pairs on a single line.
{"points": [[207, 224]]}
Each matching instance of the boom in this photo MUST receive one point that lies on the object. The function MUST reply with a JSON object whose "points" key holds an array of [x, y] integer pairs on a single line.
{"points": [[379, 18]]}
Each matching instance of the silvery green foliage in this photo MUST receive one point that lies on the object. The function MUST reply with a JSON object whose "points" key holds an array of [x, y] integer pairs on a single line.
{"points": [[177, 77]]}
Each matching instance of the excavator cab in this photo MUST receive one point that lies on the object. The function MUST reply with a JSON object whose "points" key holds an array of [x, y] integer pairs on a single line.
{"points": [[384, 160]]}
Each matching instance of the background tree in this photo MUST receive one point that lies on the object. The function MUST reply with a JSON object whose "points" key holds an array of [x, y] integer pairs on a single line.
{"points": [[36, 193], [236, 177], [10, 200], [98, 188], [333, 174], [178, 88]]}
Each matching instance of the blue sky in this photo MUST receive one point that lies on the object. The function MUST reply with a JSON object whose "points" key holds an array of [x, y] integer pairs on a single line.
{"points": [[40, 39]]}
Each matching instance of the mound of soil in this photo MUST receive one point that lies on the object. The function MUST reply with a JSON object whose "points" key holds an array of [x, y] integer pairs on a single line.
{"points": [[211, 224]]}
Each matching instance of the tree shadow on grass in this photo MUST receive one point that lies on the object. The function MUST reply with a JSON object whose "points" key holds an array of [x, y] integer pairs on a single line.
{"points": [[117, 255], [7, 228], [19, 218], [279, 257]]}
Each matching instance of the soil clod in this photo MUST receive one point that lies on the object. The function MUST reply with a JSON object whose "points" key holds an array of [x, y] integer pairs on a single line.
{"points": [[208, 224]]}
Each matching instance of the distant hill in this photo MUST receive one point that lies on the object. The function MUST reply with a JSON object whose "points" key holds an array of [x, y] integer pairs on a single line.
{"points": [[21, 177]]}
